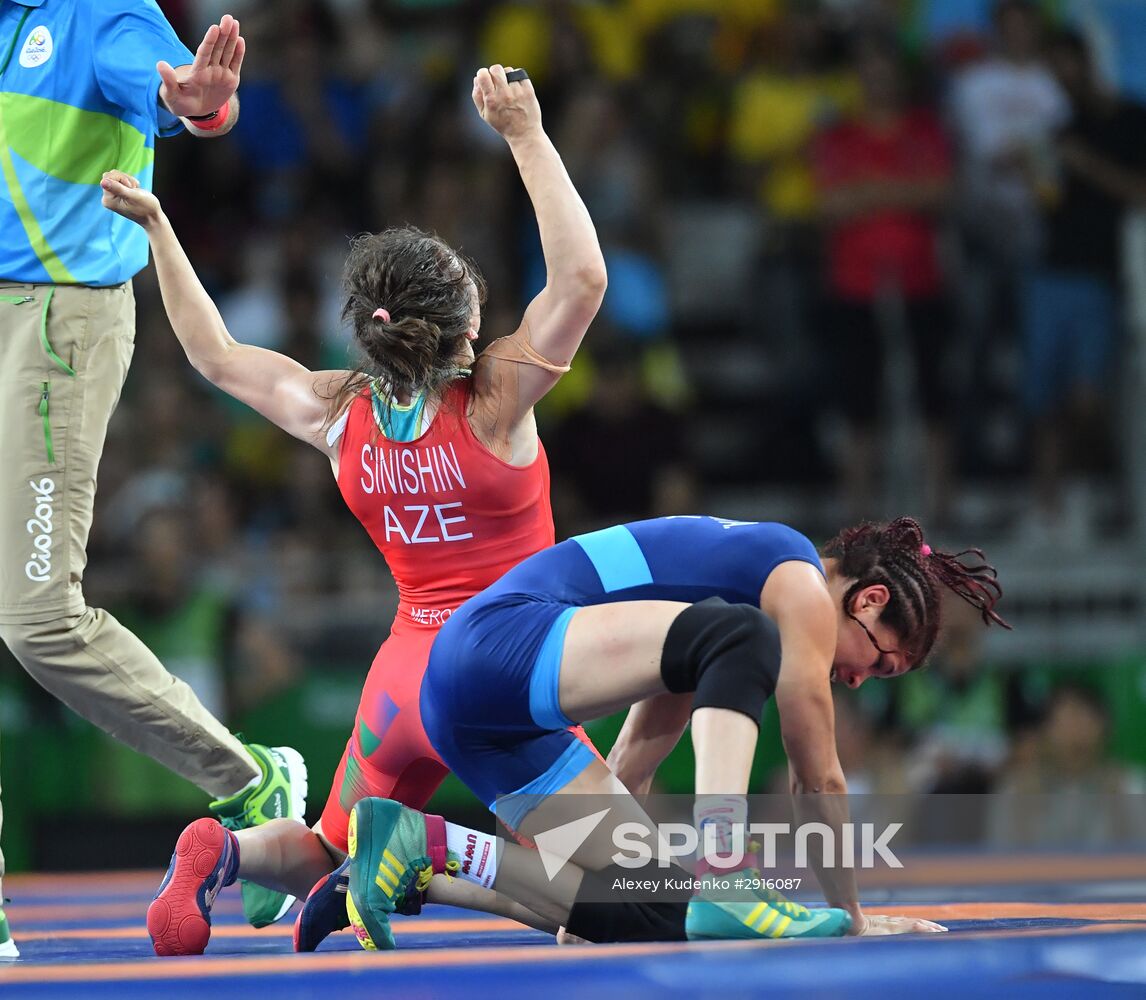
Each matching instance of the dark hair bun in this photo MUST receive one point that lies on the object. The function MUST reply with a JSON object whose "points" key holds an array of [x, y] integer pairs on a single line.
{"points": [[429, 291]]}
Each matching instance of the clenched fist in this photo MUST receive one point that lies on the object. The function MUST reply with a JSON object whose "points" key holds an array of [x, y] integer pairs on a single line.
{"points": [[510, 109], [123, 195]]}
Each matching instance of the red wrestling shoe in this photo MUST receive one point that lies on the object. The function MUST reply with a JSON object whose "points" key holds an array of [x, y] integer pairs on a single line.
{"points": [[206, 858]]}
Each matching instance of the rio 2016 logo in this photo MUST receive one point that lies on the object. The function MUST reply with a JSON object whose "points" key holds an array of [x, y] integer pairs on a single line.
{"points": [[37, 49], [39, 567]]}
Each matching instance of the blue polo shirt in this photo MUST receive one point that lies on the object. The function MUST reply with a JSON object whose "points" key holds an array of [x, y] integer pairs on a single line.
{"points": [[79, 95]]}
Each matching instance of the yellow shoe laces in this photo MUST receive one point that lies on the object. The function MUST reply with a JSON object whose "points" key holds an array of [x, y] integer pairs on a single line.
{"points": [[424, 875]]}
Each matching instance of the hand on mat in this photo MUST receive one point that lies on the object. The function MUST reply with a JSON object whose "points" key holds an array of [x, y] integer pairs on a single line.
{"points": [[878, 926], [123, 195], [564, 937]]}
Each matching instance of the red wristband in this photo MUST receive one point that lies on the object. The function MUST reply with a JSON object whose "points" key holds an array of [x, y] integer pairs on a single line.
{"points": [[213, 121]]}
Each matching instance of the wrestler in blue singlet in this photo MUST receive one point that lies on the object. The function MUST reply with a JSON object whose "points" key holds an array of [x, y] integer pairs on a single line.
{"points": [[489, 697]]}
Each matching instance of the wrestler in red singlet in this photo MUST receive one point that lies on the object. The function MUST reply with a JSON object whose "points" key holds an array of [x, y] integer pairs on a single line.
{"points": [[444, 502], [450, 518]]}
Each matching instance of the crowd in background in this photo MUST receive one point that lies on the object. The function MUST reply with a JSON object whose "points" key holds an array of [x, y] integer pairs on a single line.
{"points": [[866, 250]]}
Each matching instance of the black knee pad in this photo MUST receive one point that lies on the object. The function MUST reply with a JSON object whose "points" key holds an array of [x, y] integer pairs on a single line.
{"points": [[729, 654]]}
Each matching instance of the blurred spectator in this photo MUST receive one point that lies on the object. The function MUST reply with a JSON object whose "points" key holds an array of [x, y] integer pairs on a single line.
{"points": [[606, 155], [955, 710], [619, 456], [458, 199], [176, 616], [1071, 305], [229, 659], [789, 89], [884, 176], [787, 93], [1006, 109], [1071, 794], [957, 27], [551, 40], [874, 760], [303, 115]]}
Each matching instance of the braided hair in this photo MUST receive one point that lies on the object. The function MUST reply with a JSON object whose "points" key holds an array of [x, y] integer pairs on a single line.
{"points": [[896, 556]]}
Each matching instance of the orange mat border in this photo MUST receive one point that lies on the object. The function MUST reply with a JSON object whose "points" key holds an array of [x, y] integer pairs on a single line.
{"points": [[188, 968]]}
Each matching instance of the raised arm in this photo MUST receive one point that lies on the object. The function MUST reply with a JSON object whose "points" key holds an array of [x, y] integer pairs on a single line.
{"points": [[556, 320], [282, 390]]}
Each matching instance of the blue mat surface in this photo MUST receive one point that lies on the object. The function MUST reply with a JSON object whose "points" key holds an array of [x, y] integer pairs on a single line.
{"points": [[1082, 935]]}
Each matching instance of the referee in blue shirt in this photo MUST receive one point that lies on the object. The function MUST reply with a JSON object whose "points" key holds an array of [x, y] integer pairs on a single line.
{"points": [[85, 87]]}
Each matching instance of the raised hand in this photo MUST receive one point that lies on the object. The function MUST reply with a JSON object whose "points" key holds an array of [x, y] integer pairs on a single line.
{"points": [[510, 109], [210, 81], [123, 195]]}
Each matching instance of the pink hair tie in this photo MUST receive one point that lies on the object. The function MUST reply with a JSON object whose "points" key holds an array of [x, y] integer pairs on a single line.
{"points": [[925, 550], [382, 314]]}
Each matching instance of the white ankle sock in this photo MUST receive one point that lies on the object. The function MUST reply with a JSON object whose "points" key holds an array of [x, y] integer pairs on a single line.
{"points": [[477, 853], [717, 815]]}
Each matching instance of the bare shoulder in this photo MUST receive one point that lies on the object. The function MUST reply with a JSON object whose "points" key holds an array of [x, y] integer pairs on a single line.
{"points": [[503, 360], [331, 393], [334, 391], [496, 413], [508, 435], [515, 375], [797, 598], [797, 590], [329, 384]]}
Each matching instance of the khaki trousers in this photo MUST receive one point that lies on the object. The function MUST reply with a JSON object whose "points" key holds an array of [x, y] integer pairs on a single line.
{"points": [[64, 355]]}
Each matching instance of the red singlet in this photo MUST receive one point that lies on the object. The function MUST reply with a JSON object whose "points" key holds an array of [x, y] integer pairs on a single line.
{"points": [[450, 518]]}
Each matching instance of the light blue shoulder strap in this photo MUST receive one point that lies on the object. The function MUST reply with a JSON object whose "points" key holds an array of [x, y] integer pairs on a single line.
{"points": [[397, 422]]}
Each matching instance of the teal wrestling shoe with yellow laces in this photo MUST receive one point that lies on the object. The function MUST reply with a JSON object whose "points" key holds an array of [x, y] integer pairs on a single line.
{"points": [[394, 852], [768, 915]]}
